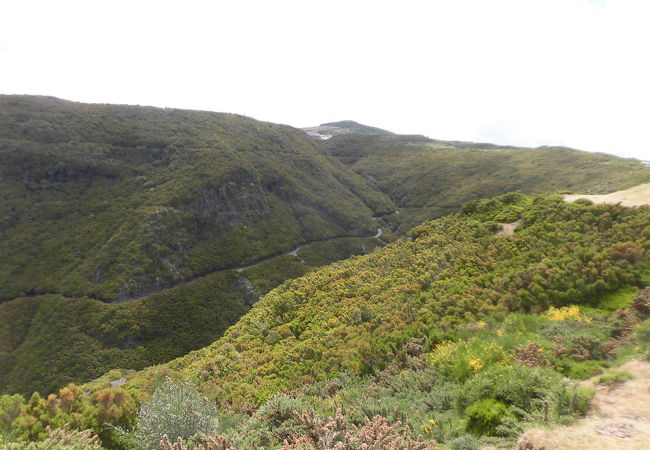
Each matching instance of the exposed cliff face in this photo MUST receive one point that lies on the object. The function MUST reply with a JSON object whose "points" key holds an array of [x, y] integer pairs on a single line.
{"points": [[233, 202]]}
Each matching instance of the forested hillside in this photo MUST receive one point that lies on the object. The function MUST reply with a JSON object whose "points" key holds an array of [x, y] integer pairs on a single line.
{"points": [[116, 202], [113, 203], [50, 340], [428, 178]]}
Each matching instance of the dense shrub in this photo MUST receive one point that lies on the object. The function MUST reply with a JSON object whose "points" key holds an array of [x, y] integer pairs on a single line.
{"points": [[463, 359], [585, 369], [643, 332], [336, 432], [281, 408], [175, 410], [464, 442], [641, 303], [10, 407], [525, 387], [62, 439], [484, 416], [575, 401], [531, 354], [615, 377]]}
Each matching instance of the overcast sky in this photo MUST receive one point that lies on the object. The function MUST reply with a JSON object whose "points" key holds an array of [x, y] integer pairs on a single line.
{"points": [[569, 72]]}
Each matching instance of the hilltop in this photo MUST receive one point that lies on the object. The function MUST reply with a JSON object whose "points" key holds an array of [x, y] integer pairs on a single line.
{"points": [[326, 130], [635, 196]]}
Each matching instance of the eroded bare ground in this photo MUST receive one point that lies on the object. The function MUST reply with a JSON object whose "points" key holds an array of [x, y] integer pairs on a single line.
{"points": [[508, 229], [636, 196], [620, 419]]}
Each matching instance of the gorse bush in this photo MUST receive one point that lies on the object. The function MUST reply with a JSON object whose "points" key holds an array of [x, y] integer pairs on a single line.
{"points": [[62, 439], [585, 369], [566, 313], [175, 409], [463, 359], [484, 416], [525, 387], [281, 408]]}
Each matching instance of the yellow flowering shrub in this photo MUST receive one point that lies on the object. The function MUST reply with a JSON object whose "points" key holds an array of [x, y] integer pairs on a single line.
{"points": [[464, 358], [476, 364], [570, 313]]}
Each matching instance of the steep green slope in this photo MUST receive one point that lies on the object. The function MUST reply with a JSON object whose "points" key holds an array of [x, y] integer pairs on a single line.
{"points": [[48, 341], [358, 315], [428, 178], [116, 202]]}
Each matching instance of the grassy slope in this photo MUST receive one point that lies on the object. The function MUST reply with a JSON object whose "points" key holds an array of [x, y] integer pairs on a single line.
{"points": [[119, 201], [356, 315], [428, 179]]}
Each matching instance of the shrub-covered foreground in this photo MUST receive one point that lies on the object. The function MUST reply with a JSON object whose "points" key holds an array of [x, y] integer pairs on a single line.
{"points": [[452, 335], [498, 390]]}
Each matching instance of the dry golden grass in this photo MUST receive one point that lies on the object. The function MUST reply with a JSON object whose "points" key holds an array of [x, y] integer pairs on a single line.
{"points": [[621, 419], [636, 196]]}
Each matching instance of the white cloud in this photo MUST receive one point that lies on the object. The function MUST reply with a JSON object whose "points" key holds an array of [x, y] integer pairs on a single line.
{"points": [[514, 71]]}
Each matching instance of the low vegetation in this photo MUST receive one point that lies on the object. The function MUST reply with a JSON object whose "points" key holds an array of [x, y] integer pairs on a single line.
{"points": [[453, 335]]}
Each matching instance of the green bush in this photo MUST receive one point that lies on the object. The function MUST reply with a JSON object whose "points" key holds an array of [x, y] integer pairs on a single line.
{"points": [[576, 401], [484, 416], [464, 442], [585, 369], [643, 332], [525, 387], [177, 410], [281, 408], [464, 359], [615, 377], [10, 406]]}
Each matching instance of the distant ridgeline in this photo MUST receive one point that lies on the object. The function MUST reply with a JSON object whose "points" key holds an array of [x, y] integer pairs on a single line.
{"points": [[123, 229], [428, 178]]}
